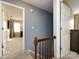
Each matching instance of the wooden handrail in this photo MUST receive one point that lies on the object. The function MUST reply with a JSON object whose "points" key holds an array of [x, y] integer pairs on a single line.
{"points": [[49, 45], [44, 39]]}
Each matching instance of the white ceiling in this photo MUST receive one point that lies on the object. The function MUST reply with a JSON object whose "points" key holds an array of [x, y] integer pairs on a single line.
{"points": [[74, 4], [43, 4]]}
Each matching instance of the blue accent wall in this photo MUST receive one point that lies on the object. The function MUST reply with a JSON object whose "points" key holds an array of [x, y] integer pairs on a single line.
{"points": [[41, 20]]}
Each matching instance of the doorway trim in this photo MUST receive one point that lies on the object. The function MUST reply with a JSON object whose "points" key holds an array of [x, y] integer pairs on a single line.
{"points": [[23, 9], [56, 27]]}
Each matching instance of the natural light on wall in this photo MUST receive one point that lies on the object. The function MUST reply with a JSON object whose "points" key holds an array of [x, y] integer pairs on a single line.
{"points": [[76, 11], [16, 27], [71, 22]]}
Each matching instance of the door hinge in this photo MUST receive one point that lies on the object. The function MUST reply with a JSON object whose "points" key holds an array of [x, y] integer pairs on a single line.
{"points": [[2, 45], [2, 28], [60, 28], [60, 48]]}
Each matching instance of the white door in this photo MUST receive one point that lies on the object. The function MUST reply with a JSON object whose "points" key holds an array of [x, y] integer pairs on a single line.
{"points": [[65, 29]]}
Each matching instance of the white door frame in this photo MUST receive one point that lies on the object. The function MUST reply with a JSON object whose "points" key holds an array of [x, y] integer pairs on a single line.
{"points": [[2, 2], [56, 26]]}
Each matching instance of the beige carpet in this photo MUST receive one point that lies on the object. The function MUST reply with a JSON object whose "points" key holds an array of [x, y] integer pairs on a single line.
{"points": [[19, 55], [14, 50], [13, 45], [71, 55]]}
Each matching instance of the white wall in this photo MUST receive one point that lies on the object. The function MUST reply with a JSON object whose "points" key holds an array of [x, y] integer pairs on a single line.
{"points": [[13, 12]]}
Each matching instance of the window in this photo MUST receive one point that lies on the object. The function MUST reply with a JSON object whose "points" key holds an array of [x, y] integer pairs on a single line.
{"points": [[16, 27]]}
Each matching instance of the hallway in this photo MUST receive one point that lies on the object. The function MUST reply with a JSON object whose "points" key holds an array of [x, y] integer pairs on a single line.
{"points": [[13, 45]]}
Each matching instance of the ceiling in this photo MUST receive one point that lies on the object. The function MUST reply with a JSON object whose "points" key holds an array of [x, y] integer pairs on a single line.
{"points": [[74, 4], [43, 4]]}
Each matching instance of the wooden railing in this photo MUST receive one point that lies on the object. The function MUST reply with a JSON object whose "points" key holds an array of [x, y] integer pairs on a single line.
{"points": [[44, 48]]}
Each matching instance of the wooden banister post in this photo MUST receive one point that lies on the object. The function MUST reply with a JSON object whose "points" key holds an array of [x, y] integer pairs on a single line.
{"points": [[36, 44]]}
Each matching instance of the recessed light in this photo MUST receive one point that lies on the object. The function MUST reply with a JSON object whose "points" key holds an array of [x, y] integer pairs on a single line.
{"points": [[31, 10]]}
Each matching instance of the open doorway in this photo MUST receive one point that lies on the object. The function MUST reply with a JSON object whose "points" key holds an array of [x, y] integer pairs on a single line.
{"points": [[13, 28]]}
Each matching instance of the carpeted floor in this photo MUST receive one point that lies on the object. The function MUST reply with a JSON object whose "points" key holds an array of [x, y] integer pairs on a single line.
{"points": [[13, 45], [28, 55], [14, 51], [71, 55], [19, 55]]}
